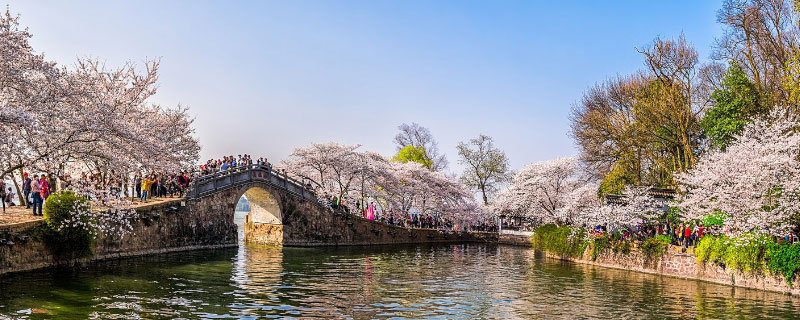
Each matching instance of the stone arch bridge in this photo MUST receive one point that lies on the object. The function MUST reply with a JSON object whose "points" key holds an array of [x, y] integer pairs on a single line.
{"points": [[284, 212]]}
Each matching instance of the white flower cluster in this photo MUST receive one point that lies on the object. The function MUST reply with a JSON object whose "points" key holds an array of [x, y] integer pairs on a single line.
{"points": [[99, 212]]}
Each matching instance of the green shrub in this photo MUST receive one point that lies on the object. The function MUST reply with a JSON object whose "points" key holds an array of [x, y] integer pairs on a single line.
{"points": [[784, 259], [751, 253], [67, 235], [655, 247], [719, 249], [599, 244], [748, 253], [561, 240], [704, 247], [715, 219]]}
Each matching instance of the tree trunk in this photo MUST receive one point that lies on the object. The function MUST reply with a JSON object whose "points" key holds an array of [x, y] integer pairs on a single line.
{"points": [[20, 195]]}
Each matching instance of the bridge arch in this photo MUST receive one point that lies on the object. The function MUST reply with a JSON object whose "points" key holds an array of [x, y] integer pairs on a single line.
{"points": [[264, 206], [264, 223]]}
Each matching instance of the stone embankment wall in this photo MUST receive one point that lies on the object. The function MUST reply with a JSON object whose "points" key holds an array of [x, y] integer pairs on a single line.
{"points": [[676, 263], [516, 240], [159, 228], [680, 264], [331, 229]]}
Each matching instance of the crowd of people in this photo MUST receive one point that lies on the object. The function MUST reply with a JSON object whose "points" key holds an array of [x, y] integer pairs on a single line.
{"points": [[35, 190], [143, 187], [680, 234], [229, 162], [687, 234], [373, 212], [160, 185]]}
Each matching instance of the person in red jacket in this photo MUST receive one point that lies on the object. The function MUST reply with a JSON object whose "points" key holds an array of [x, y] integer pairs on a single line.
{"points": [[687, 235]]}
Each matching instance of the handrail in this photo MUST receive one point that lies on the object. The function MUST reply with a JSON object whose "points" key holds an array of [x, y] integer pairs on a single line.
{"points": [[284, 179]]}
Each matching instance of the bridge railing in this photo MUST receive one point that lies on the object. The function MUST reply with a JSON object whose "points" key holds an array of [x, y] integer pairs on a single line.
{"points": [[209, 184]]}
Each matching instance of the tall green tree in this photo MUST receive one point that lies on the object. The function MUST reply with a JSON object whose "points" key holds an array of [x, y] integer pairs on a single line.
{"points": [[414, 154], [760, 35], [486, 165], [735, 104]]}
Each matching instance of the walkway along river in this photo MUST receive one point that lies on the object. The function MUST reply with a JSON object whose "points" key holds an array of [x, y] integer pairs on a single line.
{"points": [[446, 281]]}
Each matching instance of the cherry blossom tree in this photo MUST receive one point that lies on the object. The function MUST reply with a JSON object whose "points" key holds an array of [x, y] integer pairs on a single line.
{"points": [[559, 192], [412, 185], [554, 191], [331, 168], [336, 170], [635, 205], [754, 181], [87, 117], [420, 137], [28, 84]]}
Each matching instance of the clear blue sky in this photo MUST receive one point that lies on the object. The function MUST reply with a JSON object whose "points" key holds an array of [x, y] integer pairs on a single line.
{"points": [[264, 77]]}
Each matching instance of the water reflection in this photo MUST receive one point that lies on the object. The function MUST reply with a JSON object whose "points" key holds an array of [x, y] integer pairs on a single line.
{"points": [[465, 281]]}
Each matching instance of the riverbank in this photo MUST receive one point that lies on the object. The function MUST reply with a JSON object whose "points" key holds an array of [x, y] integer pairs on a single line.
{"points": [[674, 261], [160, 227]]}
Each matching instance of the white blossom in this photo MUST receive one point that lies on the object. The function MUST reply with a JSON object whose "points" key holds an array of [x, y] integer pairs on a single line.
{"points": [[554, 191], [754, 181], [340, 171]]}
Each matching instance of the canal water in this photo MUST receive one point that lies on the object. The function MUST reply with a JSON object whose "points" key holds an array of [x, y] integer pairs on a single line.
{"points": [[460, 281]]}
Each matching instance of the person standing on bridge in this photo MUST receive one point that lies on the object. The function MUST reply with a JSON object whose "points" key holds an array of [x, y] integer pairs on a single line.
{"points": [[3, 195], [371, 211], [36, 196], [26, 189], [146, 183], [137, 181]]}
